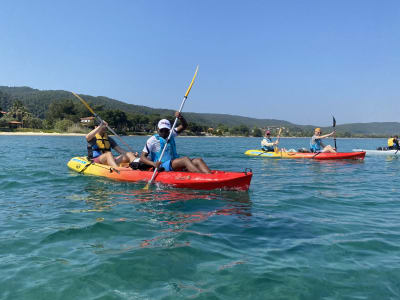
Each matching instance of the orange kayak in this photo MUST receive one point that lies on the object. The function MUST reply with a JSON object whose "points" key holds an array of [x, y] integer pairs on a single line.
{"points": [[199, 181]]}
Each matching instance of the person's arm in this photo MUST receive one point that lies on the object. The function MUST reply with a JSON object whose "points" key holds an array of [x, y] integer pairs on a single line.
{"points": [[145, 153], [266, 143], [91, 135], [327, 135], [183, 124], [146, 161]]}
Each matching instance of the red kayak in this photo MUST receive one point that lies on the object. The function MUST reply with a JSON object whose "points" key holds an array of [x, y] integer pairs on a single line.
{"points": [[198, 181]]}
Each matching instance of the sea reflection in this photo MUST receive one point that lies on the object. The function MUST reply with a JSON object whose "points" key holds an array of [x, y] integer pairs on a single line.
{"points": [[177, 211], [181, 207], [165, 214]]}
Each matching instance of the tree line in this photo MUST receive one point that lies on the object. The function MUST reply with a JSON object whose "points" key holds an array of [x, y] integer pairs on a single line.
{"points": [[65, 116]]}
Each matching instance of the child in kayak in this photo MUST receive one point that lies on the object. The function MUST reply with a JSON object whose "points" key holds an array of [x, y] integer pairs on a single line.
{"points": [[100, 145], [267, 144], [170, 160], [316, 144]]}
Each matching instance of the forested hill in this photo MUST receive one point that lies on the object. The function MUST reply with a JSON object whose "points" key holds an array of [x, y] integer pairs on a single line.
{"points": [[37, 102]]}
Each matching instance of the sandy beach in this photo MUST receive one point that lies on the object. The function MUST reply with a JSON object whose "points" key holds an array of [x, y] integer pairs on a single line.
{"points": [[42, 133]]}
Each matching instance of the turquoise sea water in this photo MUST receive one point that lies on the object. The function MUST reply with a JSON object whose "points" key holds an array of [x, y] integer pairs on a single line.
{"points": [[305, 230]]}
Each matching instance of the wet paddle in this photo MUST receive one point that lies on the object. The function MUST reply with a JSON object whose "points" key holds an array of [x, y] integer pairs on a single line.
{"points": [[172, 128], [100, 120]]}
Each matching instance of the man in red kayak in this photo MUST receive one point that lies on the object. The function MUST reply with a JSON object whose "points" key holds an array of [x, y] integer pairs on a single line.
{"points": [[100, 145], [170, 160], [316, 144]]}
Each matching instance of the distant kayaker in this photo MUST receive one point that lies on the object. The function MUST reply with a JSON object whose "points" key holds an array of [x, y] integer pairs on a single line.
{"points": [[170, 160], [100, 145], [393, 143], [316, 144], [267, 144]]}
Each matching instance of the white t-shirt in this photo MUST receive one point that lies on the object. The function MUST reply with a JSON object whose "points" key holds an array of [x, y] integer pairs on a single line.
{"points": [[153, 145]]}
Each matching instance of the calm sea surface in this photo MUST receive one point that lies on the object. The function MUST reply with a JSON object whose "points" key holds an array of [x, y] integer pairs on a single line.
{"points": [[305, 230]]}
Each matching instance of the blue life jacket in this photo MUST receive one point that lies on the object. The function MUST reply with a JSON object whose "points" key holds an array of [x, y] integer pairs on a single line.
{"points": [[317, 146], [267, 148], [170, 151]]}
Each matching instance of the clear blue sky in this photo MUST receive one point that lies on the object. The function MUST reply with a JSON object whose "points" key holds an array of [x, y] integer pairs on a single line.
{"points": [[299, 61]]}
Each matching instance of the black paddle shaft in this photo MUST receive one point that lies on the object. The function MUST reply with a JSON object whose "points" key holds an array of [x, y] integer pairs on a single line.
{"points": [[334, 125]]}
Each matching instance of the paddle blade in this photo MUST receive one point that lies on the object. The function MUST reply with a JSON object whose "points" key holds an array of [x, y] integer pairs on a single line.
{"points": [[190, 86], [334, 121], [146, 187]]}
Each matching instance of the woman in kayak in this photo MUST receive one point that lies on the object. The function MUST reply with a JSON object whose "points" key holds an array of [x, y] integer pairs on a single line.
{"points": [[267, 144], [316, 144], [170, 160], [100, 145]]}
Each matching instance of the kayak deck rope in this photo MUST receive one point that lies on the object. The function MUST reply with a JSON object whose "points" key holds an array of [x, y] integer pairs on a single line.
{"points": [[85, 167]]}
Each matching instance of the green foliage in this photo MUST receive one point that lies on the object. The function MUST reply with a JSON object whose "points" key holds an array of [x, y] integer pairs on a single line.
{"points": [[33, 123], [76, 128], [257, 132], [63, 125], [65, 109], [5, 101], [115, 118], [195, 128], [47, 124], [240, 130], [4, 123]]}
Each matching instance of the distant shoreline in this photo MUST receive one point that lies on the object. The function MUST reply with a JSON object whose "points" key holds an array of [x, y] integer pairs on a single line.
{"points": [[41, 133], [7, 133]]}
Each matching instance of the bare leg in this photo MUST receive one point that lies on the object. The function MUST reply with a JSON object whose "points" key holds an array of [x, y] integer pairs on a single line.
{"points": [[329, 149], [201, 165], [125, 158], [185, 163], [108, 159]]}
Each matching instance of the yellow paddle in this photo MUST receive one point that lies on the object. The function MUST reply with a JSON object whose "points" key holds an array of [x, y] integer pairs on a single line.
{"points": [[279, 136], [100, 120], [173, 127]]}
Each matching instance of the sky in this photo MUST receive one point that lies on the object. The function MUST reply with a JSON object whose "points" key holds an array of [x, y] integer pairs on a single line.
{"points": [[299, 61]]}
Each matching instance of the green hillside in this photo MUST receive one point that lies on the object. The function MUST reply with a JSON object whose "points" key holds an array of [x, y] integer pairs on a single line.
{"points": [[38, 101]]}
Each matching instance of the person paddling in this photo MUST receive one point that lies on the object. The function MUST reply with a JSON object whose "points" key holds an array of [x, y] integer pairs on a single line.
{"points": [[316, 144], [170, 161], [267, 144], [100, 145], [393, 143]]}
